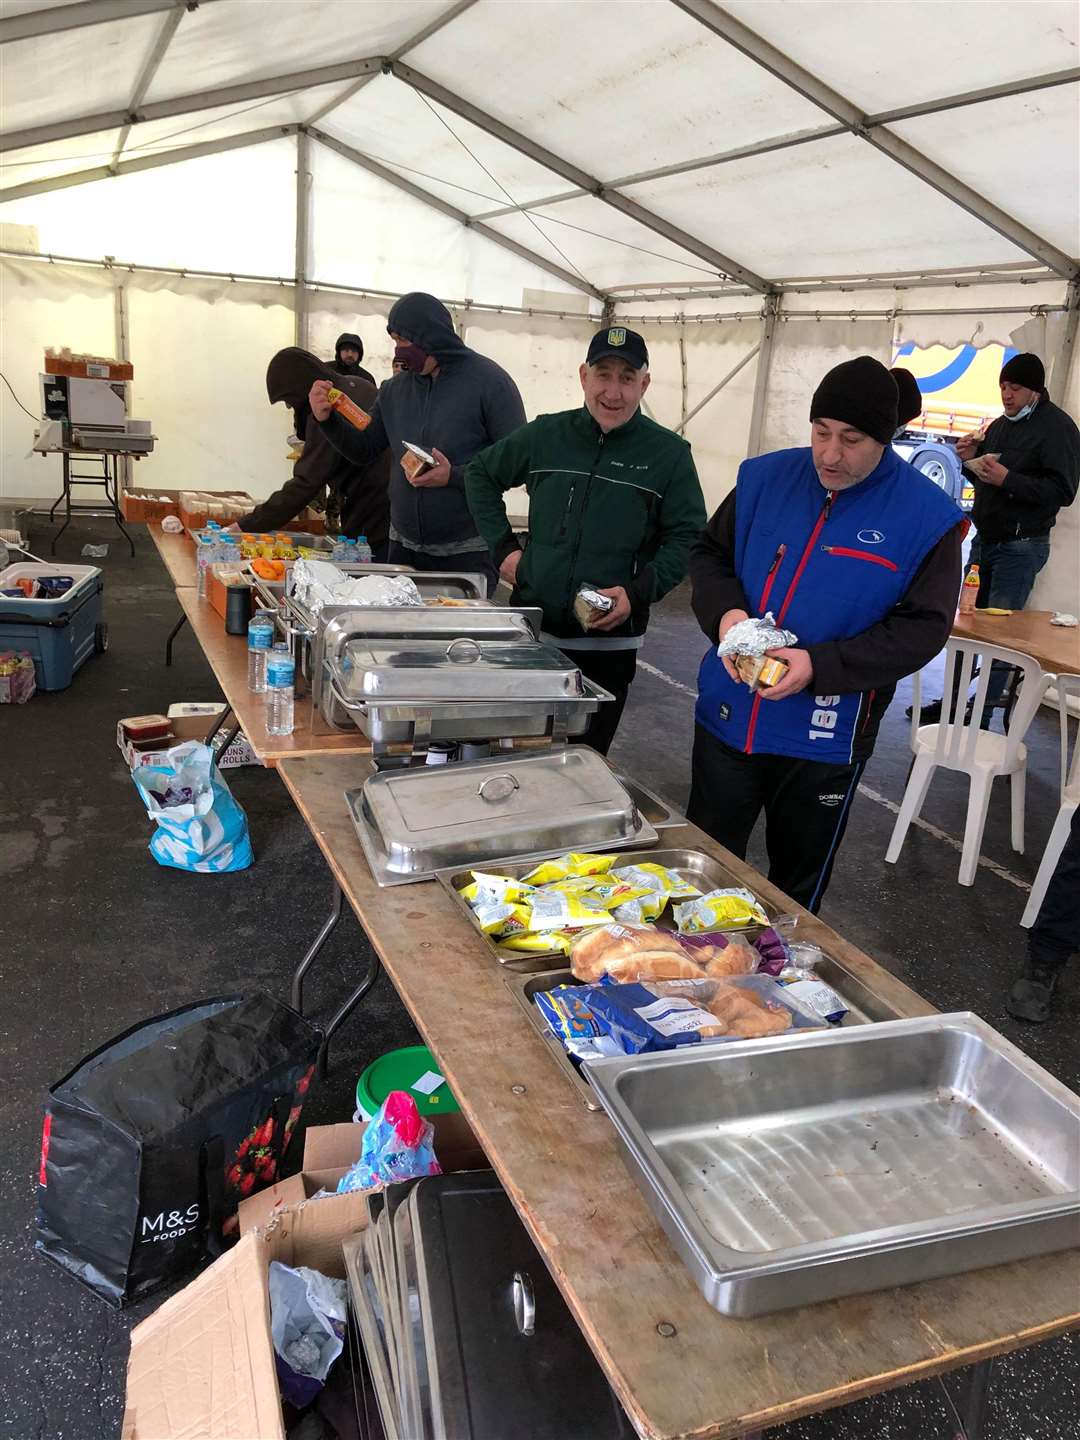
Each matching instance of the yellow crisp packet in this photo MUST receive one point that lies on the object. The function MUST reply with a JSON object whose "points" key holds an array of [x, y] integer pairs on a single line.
{"points": [[641, 909], [498, 887], [499, 920], [603, 889], [651, 876], [719, 910], [573, 863], [552, 910], [539, 942]]}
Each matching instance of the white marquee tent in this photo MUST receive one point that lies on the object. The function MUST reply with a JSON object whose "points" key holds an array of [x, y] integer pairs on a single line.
{"points": [[763, 188]]}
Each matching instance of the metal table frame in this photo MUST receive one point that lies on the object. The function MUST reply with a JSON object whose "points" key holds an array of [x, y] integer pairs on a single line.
{"points": [[343, 1012], [108, 480]]}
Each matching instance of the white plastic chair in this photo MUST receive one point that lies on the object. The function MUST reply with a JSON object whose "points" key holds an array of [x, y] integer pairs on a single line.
{"points": [[958, 743], [1070, 798]]}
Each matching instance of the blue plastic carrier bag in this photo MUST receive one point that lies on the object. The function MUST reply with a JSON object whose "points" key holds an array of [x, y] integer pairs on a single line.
{"points": [[200, 826]]}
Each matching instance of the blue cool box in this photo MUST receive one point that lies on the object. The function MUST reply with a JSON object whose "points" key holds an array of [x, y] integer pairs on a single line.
{"points": [[59, 633]]}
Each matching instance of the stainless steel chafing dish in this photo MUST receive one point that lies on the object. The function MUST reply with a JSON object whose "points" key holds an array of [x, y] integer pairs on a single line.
{"points": [[485, 675], [417, 821]]}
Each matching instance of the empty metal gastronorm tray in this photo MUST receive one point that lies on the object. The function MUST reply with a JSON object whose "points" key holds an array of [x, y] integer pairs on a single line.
{"points": [[856, 1159], [863, 1006], [694, 865]]}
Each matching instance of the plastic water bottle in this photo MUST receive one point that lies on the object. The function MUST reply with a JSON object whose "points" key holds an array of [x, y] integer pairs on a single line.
{"points": [[340, 552], [280, 673], [363, 551], [204, 558], [260, 639]]}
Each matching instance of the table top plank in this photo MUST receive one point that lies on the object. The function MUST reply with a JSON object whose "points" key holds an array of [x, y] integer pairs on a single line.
{"points": [[227, 656], [177, 555], [715, 1377], [1055, 647]]}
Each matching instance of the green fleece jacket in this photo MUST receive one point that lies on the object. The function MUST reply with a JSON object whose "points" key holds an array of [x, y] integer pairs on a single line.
{"points": [[615, 509]]}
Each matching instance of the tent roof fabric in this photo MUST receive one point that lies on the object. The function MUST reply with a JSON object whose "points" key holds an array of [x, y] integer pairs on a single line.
{"points": [[774, 125]]}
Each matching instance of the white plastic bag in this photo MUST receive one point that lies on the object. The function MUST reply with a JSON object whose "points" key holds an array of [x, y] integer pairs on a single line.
{"points": [[307, 1326]]}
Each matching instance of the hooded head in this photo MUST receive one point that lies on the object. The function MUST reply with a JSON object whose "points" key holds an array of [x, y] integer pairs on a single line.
{"points": [[292, 372], [348, 341], [424, 322]]}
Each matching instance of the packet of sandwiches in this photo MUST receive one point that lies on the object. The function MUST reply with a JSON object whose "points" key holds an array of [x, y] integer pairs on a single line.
{"points": [[414, 460], [746, 643], [590, 606]]}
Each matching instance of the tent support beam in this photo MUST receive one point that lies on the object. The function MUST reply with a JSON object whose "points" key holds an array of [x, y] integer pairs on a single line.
{"points": [[188, 104], [149, 70], [439, 23], [303, 223], [579, 178], [769, 316], [1065, 359], [89, 12], [783, 68], [717, 388], [976, 97], [147, 162], [576, 282]]}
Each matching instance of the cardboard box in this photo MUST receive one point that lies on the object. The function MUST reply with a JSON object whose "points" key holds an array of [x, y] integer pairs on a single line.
{"points": [[93, 367], [147, 506], [203, 1364], [329, 1150]]}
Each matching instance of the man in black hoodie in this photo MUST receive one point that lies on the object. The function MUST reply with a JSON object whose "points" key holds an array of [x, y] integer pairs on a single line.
{"points": [[348, 352], [451, 402]]}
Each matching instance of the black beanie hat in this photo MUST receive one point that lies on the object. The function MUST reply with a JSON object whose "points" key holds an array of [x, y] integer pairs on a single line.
{"points": [[861, 393], [1025, 369], [910, 395]]}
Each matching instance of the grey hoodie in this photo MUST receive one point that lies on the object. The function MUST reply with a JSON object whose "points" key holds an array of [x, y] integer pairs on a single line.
{"points": [[470, 404]]}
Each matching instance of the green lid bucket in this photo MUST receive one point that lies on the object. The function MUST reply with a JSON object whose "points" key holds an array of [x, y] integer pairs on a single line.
{"points": [[400, 1070]]}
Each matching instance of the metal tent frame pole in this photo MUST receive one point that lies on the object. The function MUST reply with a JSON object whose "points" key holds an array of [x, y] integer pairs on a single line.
{"points": [[440, 95], [783, 68], [149, 70], [391, 177], [717, 388], [88, 12], [769, 316], [303, 239]]}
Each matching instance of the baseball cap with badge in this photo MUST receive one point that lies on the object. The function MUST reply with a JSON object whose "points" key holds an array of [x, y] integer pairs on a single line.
{"points": [[624, 344]]}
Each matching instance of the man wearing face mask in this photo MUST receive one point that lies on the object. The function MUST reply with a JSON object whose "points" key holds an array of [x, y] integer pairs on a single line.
{"points": [[449, 401], [857, 553], [614, 503], [1018, 495]]}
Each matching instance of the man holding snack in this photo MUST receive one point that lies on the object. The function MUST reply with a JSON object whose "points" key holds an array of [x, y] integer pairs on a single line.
{"points": [[1025, 469], [856, 555], [434, 416], [614, 503]]}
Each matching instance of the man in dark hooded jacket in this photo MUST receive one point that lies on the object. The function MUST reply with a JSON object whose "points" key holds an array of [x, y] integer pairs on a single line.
{"points": [[452, 403], [357, 494], [348, 352]]}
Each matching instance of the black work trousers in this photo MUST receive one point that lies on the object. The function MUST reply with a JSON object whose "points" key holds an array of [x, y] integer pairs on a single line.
{"points": [[612, 670], [1056, 932], [806, 805]]}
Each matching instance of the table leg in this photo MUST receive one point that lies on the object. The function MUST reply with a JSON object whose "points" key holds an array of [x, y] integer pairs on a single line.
{"points": [[216, 726], [112, 494], [316, 945], [978, 1395], [172, 636], [66, 498], [229, 738], [346, 1010]]}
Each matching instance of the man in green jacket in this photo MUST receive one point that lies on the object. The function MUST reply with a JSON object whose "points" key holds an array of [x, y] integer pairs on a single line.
{"points": [[614, 504]]}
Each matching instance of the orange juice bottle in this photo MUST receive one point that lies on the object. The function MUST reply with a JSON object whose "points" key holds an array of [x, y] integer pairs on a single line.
{"points": [[347, 409], [969, 591]]}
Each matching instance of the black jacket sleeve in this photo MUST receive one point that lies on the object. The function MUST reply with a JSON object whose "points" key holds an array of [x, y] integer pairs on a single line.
{"points": [[715, 587], [359, 446], [913, 632]]}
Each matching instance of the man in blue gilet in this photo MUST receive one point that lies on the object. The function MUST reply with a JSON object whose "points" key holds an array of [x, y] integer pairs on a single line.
{"points": [[858, 554]]}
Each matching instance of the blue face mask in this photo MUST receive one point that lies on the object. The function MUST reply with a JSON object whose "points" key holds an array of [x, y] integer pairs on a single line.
{"points": [[1025, 412]]}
